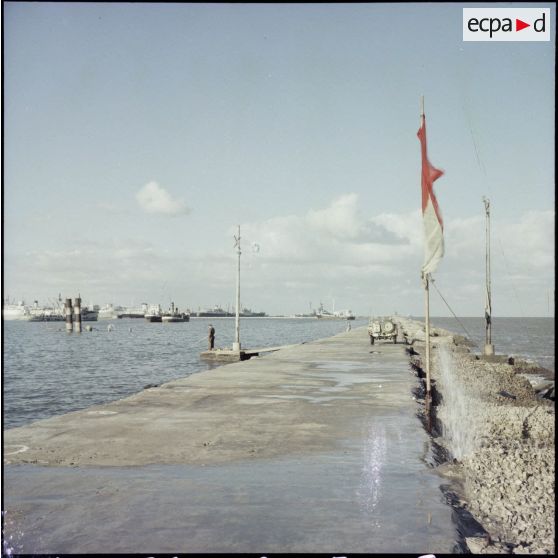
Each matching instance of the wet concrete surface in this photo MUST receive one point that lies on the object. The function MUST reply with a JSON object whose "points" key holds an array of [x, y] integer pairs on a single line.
{"points": [[315, 448]]}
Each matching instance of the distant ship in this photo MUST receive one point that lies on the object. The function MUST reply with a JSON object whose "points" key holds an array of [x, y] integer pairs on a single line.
{"points": [[154, 313], [17, 311], [38, 313], [57, 315], [171, 318], [215, 312], [89, 314], [46, 317], [110, 312], [324, 314], [137, 312], [218, 312], [173, 315], [247, 313]]}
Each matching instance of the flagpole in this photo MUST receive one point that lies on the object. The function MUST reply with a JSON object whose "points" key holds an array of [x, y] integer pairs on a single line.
{"points": [[426, 296]]}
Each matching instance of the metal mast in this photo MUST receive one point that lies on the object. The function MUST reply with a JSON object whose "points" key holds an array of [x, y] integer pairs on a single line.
{"points": [[488, 346], [236, 344]]}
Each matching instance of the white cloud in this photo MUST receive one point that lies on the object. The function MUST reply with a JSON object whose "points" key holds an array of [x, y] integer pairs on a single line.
{"points": [[337, 234], [339, 220], [528, 244], [343, 221], [525, 245], [331, 253], [402, 225], [153, 198], [338, 252], [364, 262]]}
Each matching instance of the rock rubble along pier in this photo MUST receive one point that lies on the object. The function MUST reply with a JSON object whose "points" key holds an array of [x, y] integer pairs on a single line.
{"points": [[499, 437], [313, 448]]}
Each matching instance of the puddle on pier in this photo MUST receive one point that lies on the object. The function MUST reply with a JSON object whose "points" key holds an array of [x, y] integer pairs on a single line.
{"points": [[377, 499], [343, 374], [311, 398], [348, 373]]}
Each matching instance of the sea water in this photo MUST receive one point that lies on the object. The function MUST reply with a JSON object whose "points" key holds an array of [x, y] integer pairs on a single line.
{"points": [[532, 338]]}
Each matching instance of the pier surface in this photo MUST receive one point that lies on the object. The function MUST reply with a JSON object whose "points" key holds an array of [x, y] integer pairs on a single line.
{"points": [[313, 448]]}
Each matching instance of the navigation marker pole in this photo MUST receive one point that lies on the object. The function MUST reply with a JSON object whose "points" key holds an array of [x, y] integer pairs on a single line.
{"points": [[488, 346], [77, 314], [236, 344], [68, 311]]}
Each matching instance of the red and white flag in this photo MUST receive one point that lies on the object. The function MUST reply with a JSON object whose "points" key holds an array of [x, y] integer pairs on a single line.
{"points": [[431, 216]]}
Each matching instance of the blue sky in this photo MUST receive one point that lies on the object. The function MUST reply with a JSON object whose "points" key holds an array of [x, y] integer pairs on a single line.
{"points": [[137, 136]]}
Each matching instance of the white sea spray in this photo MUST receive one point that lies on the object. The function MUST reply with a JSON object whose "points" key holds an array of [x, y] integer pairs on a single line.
{"points": [[459, 412]]}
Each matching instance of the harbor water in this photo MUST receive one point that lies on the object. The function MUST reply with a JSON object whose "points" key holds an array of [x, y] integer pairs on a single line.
{"points": [[530, 338], [48, 372]]}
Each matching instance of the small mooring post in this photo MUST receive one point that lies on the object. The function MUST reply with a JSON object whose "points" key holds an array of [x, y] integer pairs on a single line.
{"points": [[68, 312], [236, 344], [488, 346], [77, 315]]}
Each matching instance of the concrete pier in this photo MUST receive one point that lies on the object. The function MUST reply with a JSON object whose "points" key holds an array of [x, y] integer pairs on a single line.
{"points": [[313, 448], [226, 355]]}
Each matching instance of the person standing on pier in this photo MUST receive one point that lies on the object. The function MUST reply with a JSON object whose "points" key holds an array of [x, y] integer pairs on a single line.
{"points": [[211, 337]]}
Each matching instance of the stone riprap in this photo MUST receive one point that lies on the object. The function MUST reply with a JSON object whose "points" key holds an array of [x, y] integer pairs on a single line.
{"points": [[500, 436]]}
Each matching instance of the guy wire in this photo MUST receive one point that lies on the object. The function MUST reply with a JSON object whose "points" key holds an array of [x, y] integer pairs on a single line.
{"points": [[453, 313]]}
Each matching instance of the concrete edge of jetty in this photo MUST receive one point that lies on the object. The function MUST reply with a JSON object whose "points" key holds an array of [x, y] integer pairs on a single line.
{"points": [[496, 433], [232, 355]]}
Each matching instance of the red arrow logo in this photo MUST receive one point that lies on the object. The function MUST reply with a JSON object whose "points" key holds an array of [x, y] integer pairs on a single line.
{"points": [[519, 25]]}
